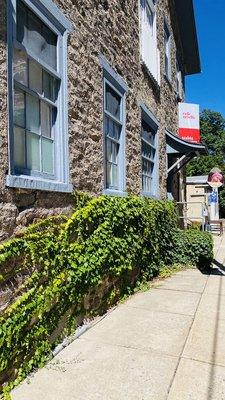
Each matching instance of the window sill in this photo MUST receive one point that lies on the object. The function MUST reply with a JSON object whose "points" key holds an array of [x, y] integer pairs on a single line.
{"points": [[114, 192], [151, 196], [26, 182], [153, 80]]}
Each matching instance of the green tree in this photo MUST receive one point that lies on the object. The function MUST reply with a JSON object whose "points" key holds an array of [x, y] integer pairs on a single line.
{"points": [[212, 126]]}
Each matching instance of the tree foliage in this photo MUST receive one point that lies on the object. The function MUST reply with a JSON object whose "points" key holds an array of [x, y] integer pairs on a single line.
{"points": [[212, 126]]}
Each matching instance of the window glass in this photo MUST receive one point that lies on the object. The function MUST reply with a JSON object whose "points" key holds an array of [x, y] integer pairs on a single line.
{"points": [[112, 161], [35, 77], [113, 102], [148, 156], [20, 67], [46, 119], [109, 150], [112, 128], [47, 155], [21, 22], [48, 53], [19, 147], [49, 86], [115, 176], [33, 151], [35, 35], [19, 108], [32, 114], [112, 176], [150, 17], [109, 175], [148, 133], [115, 150]]}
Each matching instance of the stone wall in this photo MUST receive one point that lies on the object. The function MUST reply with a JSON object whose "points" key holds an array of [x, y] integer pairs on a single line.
{"points": [[112, 29]]}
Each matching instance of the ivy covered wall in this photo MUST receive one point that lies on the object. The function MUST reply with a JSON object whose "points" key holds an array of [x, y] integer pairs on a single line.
{"points": [[64, 268]]}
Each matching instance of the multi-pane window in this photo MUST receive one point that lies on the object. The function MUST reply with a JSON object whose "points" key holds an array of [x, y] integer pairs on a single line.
{"points": [[36, 85], [149, 49], [148, 151], [113, 131], [167, 46]]}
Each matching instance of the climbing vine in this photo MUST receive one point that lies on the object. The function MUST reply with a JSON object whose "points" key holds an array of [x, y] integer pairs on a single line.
{"points": [[61, 259]]}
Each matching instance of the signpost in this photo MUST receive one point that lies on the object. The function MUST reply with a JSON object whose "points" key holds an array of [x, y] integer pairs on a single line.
{"points": [[215, 180], [189, 127]]}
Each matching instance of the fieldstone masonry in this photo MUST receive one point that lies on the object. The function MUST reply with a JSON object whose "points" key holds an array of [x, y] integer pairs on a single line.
{"points": [[103, 27]]}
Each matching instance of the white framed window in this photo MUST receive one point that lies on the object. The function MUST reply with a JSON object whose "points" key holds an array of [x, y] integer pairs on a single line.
{"points": [[38, 96], [167, 51], [114, 120], [149, 50], [179, 83], [149, 153]]}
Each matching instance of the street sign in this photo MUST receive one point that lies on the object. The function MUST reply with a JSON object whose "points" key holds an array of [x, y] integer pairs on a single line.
{"points": [[215, 178], [213, 197]]}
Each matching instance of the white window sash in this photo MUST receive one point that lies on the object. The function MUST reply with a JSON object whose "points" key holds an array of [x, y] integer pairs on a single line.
{"points": [[149, 49]]}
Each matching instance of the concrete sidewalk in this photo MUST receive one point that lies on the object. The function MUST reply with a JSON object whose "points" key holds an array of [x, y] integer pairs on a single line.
{"points": [[168, 343]]}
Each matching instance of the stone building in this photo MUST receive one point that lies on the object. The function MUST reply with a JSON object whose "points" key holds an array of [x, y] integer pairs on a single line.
{"points": [[89, 93]]}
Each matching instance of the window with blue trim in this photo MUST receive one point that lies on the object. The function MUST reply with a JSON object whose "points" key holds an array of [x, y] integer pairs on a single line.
{"points": [[35, 94], [113, 136], [38, 127], [149, 152]]}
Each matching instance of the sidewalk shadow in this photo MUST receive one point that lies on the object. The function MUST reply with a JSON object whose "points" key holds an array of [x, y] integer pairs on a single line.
{"points": [[219, 265], [211, 271], [219, 269]]}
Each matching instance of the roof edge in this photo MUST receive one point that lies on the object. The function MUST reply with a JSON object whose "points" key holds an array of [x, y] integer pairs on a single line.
{"points": [[188, 33], [185, 142]]}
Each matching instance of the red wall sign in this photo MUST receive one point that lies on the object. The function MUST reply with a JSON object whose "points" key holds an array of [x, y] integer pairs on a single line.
{"points": [[189, 128]]}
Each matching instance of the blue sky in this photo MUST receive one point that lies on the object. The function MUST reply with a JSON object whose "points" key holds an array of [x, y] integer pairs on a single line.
{"points": [[208, 88]]}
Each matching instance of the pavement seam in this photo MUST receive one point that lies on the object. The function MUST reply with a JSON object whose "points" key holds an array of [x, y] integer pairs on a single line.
{"points": [[151, 351], [202, 361], [159, 311], [181, 354], [180, 290]]}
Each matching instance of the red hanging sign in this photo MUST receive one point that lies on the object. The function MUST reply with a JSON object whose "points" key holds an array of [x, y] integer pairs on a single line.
{"points": [[189, 127]]}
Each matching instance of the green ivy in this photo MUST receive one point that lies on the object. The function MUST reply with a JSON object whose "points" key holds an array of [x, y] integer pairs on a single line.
{"points": [[193, 247], [63, 258]]}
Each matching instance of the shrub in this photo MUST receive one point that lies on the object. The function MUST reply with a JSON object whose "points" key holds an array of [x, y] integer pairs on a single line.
{"points": [[193, 247], [195, 225], [121, 239]]}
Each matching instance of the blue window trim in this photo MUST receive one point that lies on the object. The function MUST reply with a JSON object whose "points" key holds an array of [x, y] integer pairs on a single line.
{"points": [[152, 121], [111, 78], [27, 182], [111, 75], [51, 15], [148, 116]]}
